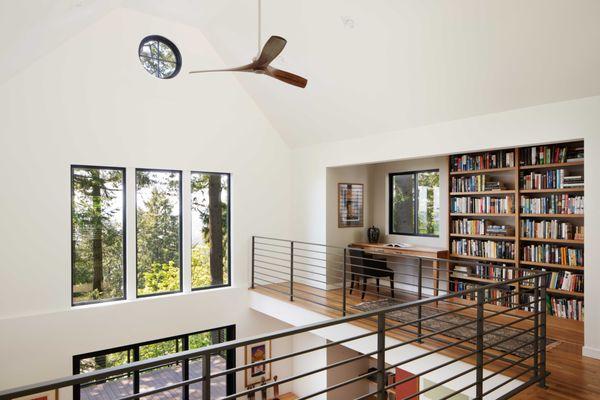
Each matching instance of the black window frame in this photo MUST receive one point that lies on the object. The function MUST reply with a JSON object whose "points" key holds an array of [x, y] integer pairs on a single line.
{"points": [[169, 44], [180, 172], [415, 203], [72, 188], [230, 357], [228, 284]]}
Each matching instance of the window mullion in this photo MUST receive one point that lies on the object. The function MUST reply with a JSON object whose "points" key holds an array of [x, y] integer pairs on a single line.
{"points": [[186, 237]]}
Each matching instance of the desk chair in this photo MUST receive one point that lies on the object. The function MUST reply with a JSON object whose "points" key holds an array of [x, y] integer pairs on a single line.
{"points": [[365, 266]]}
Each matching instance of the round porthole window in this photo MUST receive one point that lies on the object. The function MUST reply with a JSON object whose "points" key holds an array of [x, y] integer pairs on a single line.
{"points": [[160, 57]]}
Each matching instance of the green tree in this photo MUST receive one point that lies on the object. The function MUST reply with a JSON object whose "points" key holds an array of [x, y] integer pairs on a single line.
{"points": [[158, 233], [97, 233]]}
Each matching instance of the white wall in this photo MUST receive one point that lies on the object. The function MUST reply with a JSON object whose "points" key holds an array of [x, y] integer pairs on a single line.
{"points": [[91, 102], [577, 119], [309, 362]]}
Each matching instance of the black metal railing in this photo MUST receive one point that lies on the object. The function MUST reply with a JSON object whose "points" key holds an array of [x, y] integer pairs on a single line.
{"points": [[461, 346]]}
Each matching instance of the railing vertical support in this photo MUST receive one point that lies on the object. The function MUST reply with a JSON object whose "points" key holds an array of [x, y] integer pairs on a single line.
{"points": [[253, 251], [479, 366], [292, 271], [536, 327], [344, 278], [206, 376], [381, 383], [543, 332], [420, 294]]}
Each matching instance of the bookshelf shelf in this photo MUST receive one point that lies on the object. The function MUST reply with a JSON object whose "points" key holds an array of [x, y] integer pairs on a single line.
{"points": [[561, 241], [550, 265], [563, 190], [512, 179], [488, 259], [484, 237], [553, 165], [559, 292], [482, 193], [483, 171], [482, 215], [523, 215]]}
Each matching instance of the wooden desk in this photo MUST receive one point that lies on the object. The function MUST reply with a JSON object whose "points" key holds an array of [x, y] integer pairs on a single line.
{"points": [[418, 251]]}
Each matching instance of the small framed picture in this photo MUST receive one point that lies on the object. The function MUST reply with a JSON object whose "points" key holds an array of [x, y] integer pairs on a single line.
{"points": [[254, 353], [48, 395], [350, 205]]}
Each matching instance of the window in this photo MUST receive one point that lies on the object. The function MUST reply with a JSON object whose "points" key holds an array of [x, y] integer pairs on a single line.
{"points": [[97, 234], [163, 375], [158, 239], [160, 57], [414, 203], [210, 230]]}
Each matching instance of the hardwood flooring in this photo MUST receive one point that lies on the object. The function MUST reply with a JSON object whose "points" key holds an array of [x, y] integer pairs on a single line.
{"points": [[572, 376]]}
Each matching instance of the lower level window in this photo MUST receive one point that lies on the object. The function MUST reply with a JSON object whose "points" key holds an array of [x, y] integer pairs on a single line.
{"points": [[156, 377]]}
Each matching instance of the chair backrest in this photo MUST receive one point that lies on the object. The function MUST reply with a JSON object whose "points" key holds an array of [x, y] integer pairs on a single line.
{"points": [[355, 259]]}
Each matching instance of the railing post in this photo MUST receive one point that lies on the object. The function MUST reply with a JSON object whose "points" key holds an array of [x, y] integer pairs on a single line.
{"points": [[543, 332], [253, 251], [206, 376], [381, 383], [344, 278], [536, 327], [479, 367], [292, 270], [420, 294]]}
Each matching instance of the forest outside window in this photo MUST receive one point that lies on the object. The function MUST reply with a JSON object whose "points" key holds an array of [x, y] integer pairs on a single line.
{"points": [[97, 234], [414, 203], [210, 229], [158, 236]]}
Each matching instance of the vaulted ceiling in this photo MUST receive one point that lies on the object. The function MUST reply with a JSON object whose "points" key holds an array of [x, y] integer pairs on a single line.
{"points": [[373, 66]]}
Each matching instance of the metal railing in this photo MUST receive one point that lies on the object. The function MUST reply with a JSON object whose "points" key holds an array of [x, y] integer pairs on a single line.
{"points": [[461, 346]]}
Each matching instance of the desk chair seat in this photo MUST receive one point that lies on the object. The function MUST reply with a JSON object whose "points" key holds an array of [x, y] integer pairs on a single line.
{"points": [[365, 266]]}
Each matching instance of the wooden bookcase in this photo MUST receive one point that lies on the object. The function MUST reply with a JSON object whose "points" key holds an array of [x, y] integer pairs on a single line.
{"points": [[511, 178]]}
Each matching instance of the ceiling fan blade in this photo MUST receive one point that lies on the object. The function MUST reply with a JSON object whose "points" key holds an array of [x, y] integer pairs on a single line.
{"points": [[270, 51], [243, 68], [286, 77]]}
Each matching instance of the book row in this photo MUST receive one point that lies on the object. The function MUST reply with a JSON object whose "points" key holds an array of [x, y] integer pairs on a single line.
{"points": [[549, 229], [488, 160], [483, 248], [549, 154], [553, 254], [551, 179], [475, 183], [467, 226], [486, 204], [564, 280], [556, 306], [553, 204], [496, 297]]}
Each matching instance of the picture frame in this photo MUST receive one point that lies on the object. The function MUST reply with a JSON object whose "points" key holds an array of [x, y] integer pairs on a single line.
{"points": [[253, 353], [350, 205], [47, 395]]}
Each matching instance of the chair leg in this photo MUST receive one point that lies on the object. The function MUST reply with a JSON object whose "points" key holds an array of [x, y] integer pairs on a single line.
{"points": [[352, 278], [377, 282], [364, 288], [392, 284]]}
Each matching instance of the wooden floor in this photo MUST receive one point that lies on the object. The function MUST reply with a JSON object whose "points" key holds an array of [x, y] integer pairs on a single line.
{"points": [[572, 375]]}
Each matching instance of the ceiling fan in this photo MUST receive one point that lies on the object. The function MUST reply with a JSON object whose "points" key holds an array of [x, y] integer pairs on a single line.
{"points": [[261, 64]]}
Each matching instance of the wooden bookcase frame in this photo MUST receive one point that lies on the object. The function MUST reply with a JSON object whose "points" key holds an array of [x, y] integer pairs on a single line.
{"points": [[516, 217]]}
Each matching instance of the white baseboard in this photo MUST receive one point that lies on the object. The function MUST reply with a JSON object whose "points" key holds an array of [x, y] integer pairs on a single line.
{"points": [[591, 352]]}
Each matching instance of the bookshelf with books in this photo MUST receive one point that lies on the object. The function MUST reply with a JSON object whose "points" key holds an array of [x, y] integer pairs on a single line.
{"points": [[522, 208], [551, 223]]}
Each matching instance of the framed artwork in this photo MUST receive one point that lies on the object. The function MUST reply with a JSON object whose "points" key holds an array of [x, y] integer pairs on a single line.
{"points": [[48, 395], [350, 205], [258, 352]]}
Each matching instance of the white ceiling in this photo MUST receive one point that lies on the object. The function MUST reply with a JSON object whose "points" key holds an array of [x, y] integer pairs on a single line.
{"points": [[373, 66]]}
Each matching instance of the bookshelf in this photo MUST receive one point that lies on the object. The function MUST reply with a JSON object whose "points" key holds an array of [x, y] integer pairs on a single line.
{"points": [[531, 201]]}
